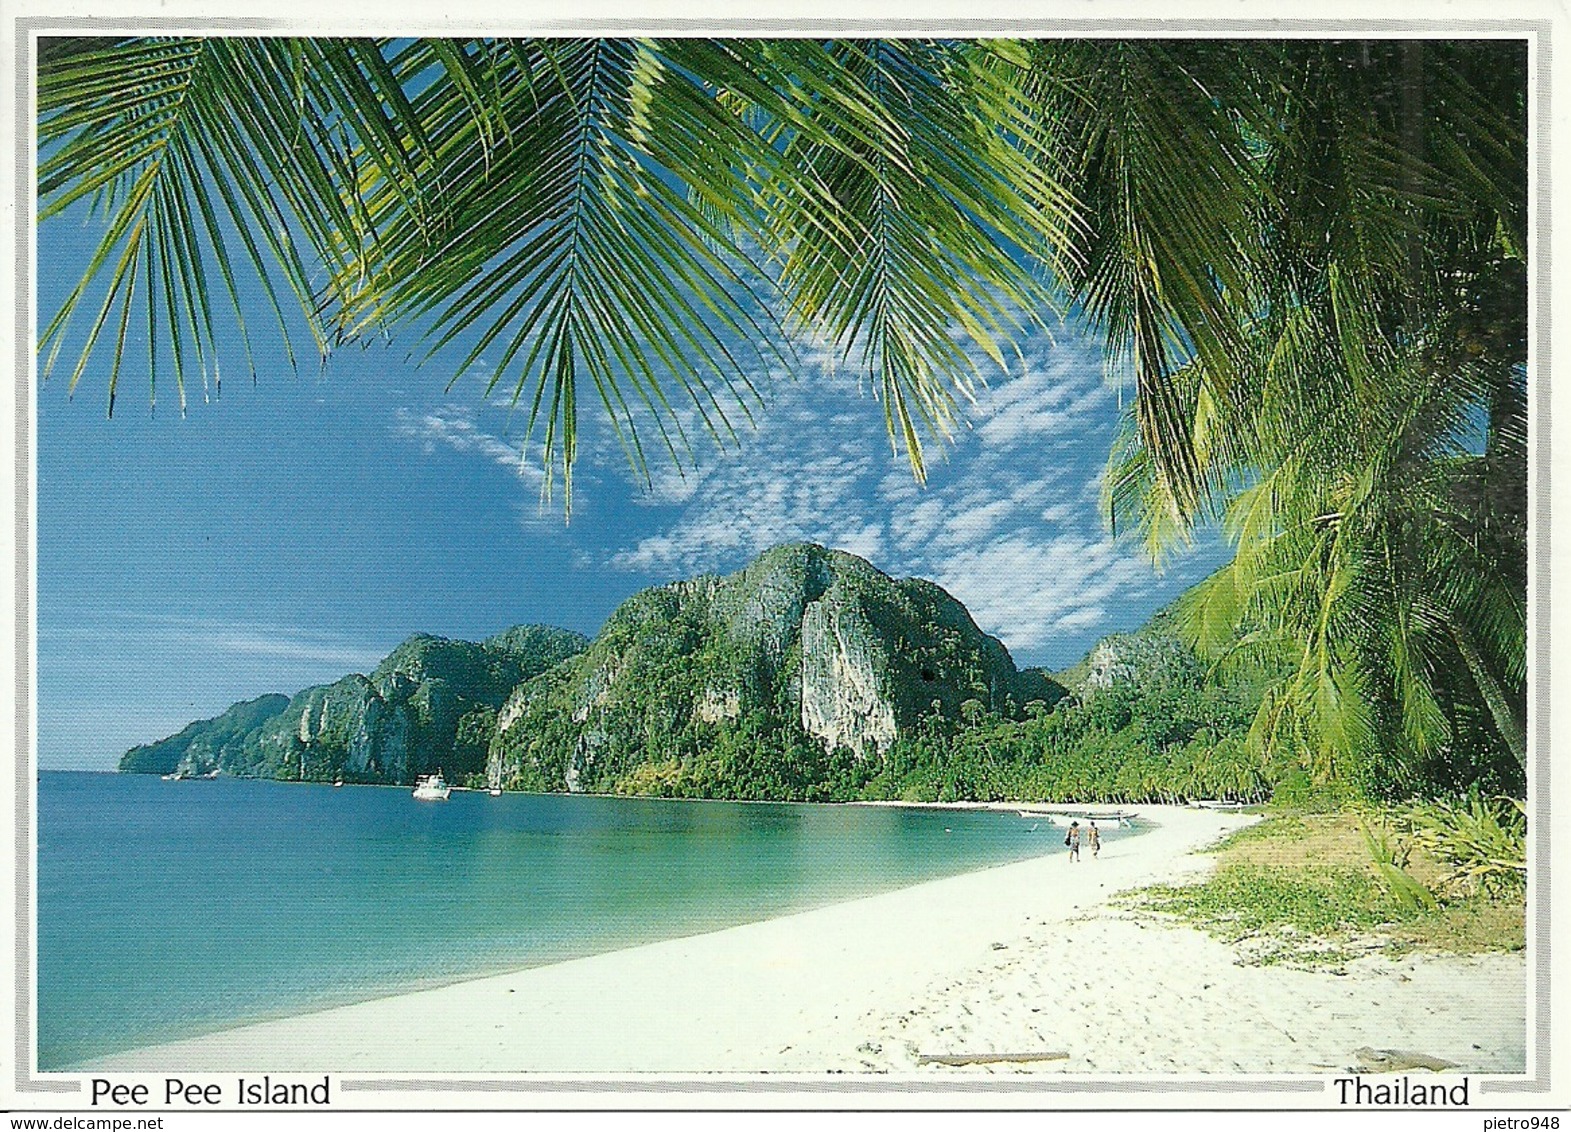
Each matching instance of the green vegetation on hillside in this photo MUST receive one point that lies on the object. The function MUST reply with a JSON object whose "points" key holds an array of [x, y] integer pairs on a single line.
{"points": [[430, 704], [1145, 722], [807, 676], [206, 743], [795, 678]]}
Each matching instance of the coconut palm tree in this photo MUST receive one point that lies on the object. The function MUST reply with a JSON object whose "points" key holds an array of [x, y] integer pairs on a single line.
{"points": [[1366, 445], [1309, 253]]}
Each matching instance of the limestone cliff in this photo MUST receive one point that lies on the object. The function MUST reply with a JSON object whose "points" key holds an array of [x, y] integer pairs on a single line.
{"points": [[792, 678], [430, 704], [803, 642], [1150, 656]]}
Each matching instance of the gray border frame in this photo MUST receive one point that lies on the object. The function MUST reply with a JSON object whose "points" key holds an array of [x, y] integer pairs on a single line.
{"points": [[1538, 35], [1541, 564]]}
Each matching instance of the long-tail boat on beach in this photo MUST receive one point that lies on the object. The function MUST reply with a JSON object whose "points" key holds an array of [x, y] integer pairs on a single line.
{"points": [[1109, 818]]}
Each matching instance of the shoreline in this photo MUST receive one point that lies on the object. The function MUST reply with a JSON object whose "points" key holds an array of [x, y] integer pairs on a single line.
{"points": [[1015, 958]]}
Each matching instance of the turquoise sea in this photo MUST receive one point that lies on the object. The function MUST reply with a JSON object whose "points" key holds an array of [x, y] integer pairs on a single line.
{"points": [[168, 909]]}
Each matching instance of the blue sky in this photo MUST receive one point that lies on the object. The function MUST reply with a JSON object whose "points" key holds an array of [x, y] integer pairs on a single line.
{"points": [[287, 532]]}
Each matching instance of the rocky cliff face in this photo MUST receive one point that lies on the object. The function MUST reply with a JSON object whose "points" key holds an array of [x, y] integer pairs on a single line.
{"points": [[787, 679], [430, 704], [844, 701], [803, 641], [207, 743], [1148, 657]]}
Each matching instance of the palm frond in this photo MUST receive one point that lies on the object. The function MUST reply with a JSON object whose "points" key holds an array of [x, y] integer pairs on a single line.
{"points": [[199, 154], [920, 175]]}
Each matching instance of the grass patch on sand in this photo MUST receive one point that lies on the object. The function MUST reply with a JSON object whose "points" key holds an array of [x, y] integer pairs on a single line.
{"points": [[1306, 889]]}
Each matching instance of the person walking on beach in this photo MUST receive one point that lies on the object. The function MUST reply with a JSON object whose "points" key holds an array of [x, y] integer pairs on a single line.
{"points": [[1094, 839], [1072, 839]]}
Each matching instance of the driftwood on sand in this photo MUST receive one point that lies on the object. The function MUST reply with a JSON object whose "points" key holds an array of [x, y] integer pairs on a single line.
{"points": [[1397, 1060]]}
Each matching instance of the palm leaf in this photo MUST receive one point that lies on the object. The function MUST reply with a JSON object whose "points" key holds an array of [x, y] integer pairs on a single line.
{"points": [[188, 148]]}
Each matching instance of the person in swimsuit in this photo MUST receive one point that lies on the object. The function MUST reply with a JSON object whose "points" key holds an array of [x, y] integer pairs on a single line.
{"points": [[1094, 839], [1072, 839]]}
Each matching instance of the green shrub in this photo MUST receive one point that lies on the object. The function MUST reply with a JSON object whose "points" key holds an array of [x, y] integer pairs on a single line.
{"points": [[1483, 842], [1390, 859]]}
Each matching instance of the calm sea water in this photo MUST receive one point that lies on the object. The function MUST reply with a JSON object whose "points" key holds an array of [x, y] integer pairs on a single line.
{"points": [[168, 909]]}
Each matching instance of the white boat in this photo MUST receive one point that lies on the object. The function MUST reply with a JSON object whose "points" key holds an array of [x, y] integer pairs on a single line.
{"points": [[431, 788], [496, 791]]}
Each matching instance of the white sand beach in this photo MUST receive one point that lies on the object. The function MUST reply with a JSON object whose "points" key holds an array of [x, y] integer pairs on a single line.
{"points": [[1024, 958]]}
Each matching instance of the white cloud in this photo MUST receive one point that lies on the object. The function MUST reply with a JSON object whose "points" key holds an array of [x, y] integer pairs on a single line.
{"points": [[350, 656], [1009, 521], [455, 427], [212, 635]]}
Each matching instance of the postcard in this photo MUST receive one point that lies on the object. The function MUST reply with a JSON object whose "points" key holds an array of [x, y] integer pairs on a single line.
{"points": [[655, 560]]}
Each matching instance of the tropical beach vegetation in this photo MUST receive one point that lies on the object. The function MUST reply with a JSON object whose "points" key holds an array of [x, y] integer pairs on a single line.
{"points": [[1310, 254], [1319, 888]]}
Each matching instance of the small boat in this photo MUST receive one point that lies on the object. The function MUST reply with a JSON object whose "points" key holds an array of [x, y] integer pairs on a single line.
{"points": [[337, 782], [431, 788], [496, 791], [177, 776]]}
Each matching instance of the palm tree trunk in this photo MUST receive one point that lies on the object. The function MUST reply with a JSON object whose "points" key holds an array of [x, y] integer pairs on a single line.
{"points": [[1506, 722]]}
